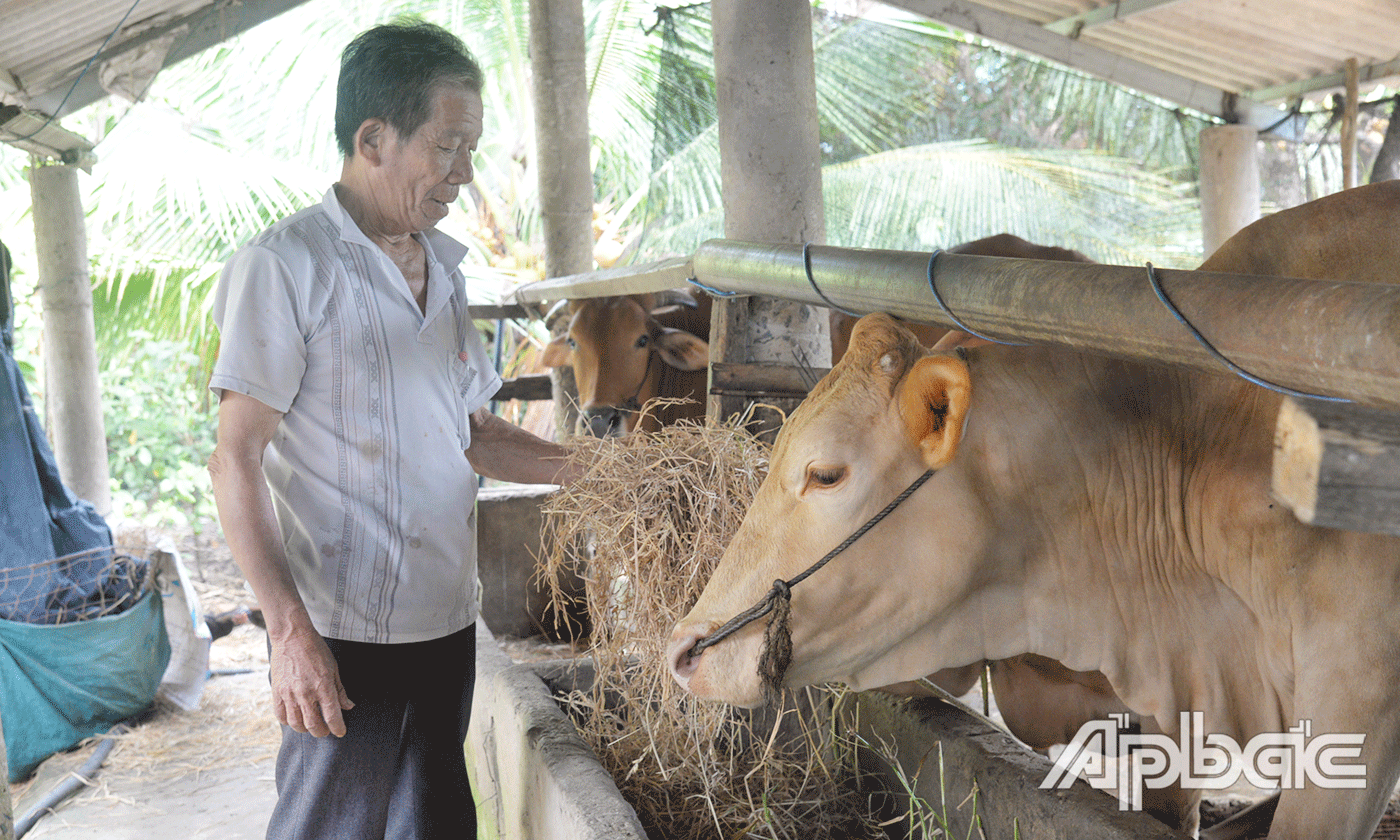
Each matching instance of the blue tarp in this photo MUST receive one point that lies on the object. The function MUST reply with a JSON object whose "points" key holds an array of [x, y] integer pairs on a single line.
{"points": [[61, 683], [40, 519], [64, 673]]}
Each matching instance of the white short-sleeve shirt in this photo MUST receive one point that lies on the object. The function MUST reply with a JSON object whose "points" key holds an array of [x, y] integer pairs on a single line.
{"points": [[373, 492]]}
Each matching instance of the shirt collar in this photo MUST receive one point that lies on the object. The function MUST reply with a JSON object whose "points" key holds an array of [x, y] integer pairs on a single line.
{"points": [[440, 247]]}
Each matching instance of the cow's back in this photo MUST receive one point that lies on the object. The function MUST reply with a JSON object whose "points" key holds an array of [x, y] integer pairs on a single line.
{"points": [[1350, 235]]}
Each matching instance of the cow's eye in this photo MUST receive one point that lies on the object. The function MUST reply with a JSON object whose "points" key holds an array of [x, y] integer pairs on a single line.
{"points": [[825, 476], [573, 345], [644, 340]]}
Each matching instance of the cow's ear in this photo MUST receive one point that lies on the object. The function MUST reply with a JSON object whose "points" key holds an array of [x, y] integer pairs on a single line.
{"points": [[680, 349], [933, 400], [557, 353], [954, 339]]}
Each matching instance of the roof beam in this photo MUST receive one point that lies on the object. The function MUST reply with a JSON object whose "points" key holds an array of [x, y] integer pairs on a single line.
{"points": [[1302, 87], [1074, 25], [1026, 35], [208, 25], [39, 135]]}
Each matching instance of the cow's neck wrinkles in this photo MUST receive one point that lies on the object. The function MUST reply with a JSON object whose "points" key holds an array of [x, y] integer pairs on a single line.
{"points": [[1115, 461]]}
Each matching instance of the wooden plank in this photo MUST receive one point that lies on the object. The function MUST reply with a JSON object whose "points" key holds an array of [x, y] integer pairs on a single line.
{"points": [[1074, 25], [629, 280], [532, 387], [762, 379], [495, 312], [1338, 466], [1369, 73]]}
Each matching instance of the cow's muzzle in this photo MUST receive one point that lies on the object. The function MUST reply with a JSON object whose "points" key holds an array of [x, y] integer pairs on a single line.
{"points": [[605, 421]]}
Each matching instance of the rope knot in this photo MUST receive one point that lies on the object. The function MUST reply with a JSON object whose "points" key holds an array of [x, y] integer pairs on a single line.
{"points": [[781, 589]]}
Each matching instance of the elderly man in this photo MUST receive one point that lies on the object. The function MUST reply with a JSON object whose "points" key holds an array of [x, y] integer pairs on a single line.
{"points": [[351, 388]]}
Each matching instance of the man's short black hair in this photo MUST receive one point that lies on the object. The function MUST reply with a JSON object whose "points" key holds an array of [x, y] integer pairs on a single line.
{"points": [[390, 72]]}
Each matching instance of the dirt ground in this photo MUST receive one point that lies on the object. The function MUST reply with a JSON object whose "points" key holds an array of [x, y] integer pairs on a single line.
{"points": [[192, 775]]}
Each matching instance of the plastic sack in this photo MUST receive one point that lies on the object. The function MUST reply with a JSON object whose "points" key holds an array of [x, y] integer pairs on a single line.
{"points": [[61, 683]]}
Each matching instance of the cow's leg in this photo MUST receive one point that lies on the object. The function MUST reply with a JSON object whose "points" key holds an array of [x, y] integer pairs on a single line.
{"points": [[1345, 697], [1251, 822], [1173, 805]]}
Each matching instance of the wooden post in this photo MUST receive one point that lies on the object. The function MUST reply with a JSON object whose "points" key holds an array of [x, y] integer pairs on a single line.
{"points": [[557, 61], [7, 817], [1338, 466], [1387, 165], [72, 395], [1348, 139], [770, 168], [1229, 182]]}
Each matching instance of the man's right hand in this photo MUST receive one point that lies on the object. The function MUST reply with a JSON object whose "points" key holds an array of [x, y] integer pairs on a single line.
{"points": [[306, 690]]}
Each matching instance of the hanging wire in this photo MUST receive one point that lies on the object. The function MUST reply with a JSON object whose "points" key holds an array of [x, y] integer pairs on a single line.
{"points": [[716, 292], [85, 69], [807, 266], [1220, 357], [933, 287]]}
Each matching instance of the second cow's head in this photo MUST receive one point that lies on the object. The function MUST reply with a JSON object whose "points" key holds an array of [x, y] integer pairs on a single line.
{"points": [[628, 350]]}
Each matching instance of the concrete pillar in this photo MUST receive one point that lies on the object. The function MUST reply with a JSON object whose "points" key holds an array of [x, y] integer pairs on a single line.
{"points": [[559, 68], [770, 168], [72, 395], [1229, 182]]}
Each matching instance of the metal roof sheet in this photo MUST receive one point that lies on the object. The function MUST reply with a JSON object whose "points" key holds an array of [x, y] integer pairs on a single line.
{"points": [[46, 44], [1250, 55], [1234, 59]]}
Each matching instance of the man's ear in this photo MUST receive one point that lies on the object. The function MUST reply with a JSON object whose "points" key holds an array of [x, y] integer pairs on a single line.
{"points": [[933, 400], [681, 350], [370, 139]]}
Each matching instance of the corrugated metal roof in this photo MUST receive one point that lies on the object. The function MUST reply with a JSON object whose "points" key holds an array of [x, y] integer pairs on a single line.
{"points": [[1213, 55], [45, 45], [1236, 59]]}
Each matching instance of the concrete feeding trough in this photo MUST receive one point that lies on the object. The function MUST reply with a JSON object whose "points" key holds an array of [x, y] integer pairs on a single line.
{"points": [[947, 754], [535, 777]]}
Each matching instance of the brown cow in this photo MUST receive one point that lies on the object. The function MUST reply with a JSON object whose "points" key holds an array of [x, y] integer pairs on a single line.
{"points": [[1112, 516], [626, 351]]}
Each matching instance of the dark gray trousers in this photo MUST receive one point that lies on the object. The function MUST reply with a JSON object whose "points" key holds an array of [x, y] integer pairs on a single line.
{"points": [[400, 772]]}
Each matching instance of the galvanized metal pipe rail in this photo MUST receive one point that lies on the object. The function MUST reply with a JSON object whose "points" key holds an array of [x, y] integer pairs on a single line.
{"points": [[1330, 338]]}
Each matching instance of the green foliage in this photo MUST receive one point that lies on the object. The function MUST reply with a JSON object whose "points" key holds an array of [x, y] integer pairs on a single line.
{"points": [[160, 434]]}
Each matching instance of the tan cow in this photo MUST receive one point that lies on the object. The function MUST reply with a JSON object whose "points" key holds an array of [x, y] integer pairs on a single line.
{"points": [[1112, 516], [626, 351]]}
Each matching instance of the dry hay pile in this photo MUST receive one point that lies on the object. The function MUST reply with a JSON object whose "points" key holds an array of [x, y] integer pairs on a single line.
{"points": [[645, 528]]}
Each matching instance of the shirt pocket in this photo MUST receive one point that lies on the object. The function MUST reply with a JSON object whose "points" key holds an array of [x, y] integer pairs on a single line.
{"points": [[463, 375]]}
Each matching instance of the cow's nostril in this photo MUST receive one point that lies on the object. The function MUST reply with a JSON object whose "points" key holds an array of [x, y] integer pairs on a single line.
{"points": [[683, 665], [604, 422]]}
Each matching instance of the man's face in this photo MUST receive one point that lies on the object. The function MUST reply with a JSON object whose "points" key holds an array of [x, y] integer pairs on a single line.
{"points": [[421, 174]]}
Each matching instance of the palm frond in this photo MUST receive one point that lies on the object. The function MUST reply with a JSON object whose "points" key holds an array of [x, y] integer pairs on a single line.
{"points": [[943, 194]]}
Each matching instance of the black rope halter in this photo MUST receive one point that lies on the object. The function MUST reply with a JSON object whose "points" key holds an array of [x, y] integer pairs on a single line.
{"points": [[777, 641]]}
